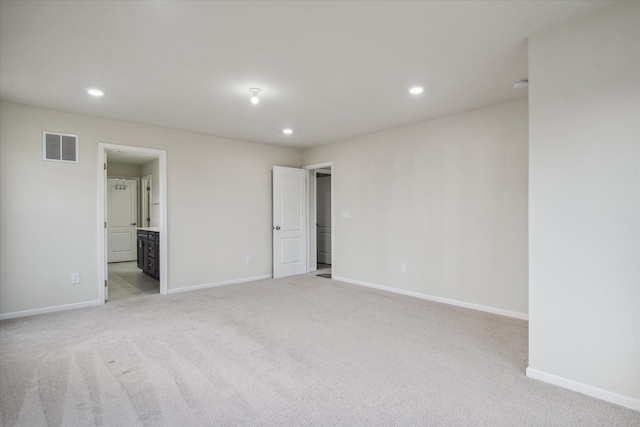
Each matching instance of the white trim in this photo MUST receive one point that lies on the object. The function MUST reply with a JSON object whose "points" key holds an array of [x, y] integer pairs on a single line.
{"points": [[102, 216], [52, 309], [216, 284], [319, 165], [311, 219], [164, 221], [333, 221], [146, 200], [307, 225], [598, 393], [487, 309]]}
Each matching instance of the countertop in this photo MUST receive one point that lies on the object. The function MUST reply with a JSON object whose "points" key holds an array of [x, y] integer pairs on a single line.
{"points": [[156, 229]]}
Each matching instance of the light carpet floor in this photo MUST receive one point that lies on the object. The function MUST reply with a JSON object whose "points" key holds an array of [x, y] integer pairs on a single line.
{"points": [[288, 352]]}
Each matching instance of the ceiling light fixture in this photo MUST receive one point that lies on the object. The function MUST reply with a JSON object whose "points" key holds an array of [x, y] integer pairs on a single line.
{"points": [[520, 84], [416, 90], [287, 131], [95, 92], [255, 91]]}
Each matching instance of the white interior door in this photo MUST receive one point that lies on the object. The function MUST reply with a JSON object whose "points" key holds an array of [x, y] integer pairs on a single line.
{"points": [[323, 189], [289, 217], [122, 214]]}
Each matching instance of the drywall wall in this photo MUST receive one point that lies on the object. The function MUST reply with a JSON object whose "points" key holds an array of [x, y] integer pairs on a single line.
{"points": [[447, 197], [219, 206], [584, 206], [122, 170]]}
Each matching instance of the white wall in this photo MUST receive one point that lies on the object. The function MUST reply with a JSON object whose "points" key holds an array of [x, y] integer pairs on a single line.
{"points": [[447, 197], [122, 170], [219, 206], [584, 205]]}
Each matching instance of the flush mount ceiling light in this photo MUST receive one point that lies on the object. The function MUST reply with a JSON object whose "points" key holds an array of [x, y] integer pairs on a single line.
{"points": [[255, 91], [416, 90], [95, 92], [520, 84], [287, 131]]}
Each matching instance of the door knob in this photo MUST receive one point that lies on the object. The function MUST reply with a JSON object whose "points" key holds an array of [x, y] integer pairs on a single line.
{"points": [[133, 223], [277, 227]]}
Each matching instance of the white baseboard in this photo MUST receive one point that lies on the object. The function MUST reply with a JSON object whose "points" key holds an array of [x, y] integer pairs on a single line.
{"points": [[44, 310], [598, 393], [53, 309], [457, 303], [216, 284]]}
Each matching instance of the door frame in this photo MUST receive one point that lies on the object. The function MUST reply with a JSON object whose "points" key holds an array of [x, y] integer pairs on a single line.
{"points": [[326, 171], [102, 212], [145, 200], [312, 217]]}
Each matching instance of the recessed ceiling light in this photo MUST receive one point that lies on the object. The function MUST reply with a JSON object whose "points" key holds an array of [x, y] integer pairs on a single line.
{"points": [[416, 90], [287, 131], [520, 84], [95, 92]]}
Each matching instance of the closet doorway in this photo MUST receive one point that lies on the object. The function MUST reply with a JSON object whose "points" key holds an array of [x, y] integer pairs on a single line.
{"points": [[321, 253], [323, 219]]}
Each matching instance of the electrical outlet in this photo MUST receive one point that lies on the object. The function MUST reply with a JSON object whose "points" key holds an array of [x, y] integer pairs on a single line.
{"points": [[248, 259], [75, 278], [403, 268]]}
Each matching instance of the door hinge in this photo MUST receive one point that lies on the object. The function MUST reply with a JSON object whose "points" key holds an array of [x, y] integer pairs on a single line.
{"points": [[105, 224], [105, 283], [105, 166]]}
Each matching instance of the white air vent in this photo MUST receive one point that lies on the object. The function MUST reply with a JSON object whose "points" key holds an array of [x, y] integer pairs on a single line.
{"points": [[60, 147]]}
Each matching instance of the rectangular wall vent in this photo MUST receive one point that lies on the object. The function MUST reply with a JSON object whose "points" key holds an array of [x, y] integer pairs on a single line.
{"points": [[60, 147]]}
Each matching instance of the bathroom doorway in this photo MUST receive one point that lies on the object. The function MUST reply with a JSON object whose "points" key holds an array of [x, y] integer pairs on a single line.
{"points": [[133, 191]]}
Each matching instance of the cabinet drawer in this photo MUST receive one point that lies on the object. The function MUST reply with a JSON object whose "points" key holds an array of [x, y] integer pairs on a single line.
{"points": [[151, 248], [142, 243]]}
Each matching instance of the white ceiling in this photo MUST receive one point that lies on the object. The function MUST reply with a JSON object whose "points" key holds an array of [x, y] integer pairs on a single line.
{"points": [[328, 70]]}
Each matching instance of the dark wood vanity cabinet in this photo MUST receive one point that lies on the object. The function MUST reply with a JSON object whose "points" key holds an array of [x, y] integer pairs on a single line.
{"points": [[149, 252], [142, 247]]}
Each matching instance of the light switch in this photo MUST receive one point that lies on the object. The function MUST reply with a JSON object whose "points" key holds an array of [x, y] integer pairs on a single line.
{"points": [[75, 278]]}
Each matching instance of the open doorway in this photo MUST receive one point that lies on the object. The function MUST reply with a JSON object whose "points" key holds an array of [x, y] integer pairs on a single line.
{"points": [[321, 248], [133, 211], [323, 221], [129, 217]]}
